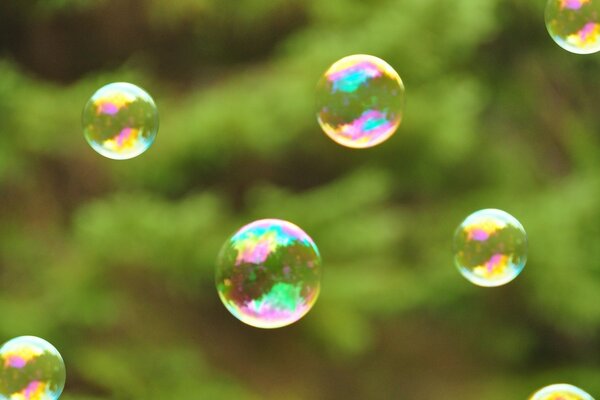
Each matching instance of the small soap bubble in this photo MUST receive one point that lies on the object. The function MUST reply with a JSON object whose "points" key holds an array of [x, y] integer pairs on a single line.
{"points": [[574, 24], [120, 121], [32, 369], [560, 391], [490, 248], [269, 273], [360, 101]]}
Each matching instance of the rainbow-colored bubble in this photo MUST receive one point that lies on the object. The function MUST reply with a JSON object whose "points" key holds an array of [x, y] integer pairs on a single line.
{"points": [[561, 391], [574, 24], [490, 248], [30, 369], [360, 101], [120, 121], [269, 273]]}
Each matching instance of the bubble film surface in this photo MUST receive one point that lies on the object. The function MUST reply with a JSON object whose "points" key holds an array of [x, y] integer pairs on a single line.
{"points": [[32, 369], [560, 391], [490, 248], [269, 273], [120, 121], [574, 24], [360, 101]]}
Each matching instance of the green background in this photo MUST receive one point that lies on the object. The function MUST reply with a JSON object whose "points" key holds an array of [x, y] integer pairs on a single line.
{"points": [[113, 261]]}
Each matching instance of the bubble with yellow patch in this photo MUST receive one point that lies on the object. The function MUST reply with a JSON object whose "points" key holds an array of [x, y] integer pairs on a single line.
{"points": [[268, 273], [360, 101], [560, 391], [490, 248], [120, 121], [30, 369], [574, 24]]}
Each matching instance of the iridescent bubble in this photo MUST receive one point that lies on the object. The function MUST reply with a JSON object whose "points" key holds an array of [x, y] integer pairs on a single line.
{"points": [[32, 369], [360, 101], [560, 391], [269, 273], [120, 121], [574, 24], [490, 248]]}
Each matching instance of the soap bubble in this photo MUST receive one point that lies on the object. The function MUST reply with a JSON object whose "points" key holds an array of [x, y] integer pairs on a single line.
{"points": [[490, 248], [269, 273], [574, 24], [560, 391], [360, 101], [32, 369], [120, 121]]}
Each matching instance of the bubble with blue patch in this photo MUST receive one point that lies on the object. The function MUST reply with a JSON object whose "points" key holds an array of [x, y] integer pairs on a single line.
{"points": [[490, 248], [120, 121], [30, 369], [574, 24], [360, 101], [560, 391], [268, 273]]}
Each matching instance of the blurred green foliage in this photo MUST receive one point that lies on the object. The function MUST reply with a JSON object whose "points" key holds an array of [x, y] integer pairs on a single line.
{"points": [[113, 262]]}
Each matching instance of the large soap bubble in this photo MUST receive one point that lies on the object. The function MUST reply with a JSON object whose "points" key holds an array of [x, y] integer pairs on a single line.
{"points": [[269, 273], [360, 101]]}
